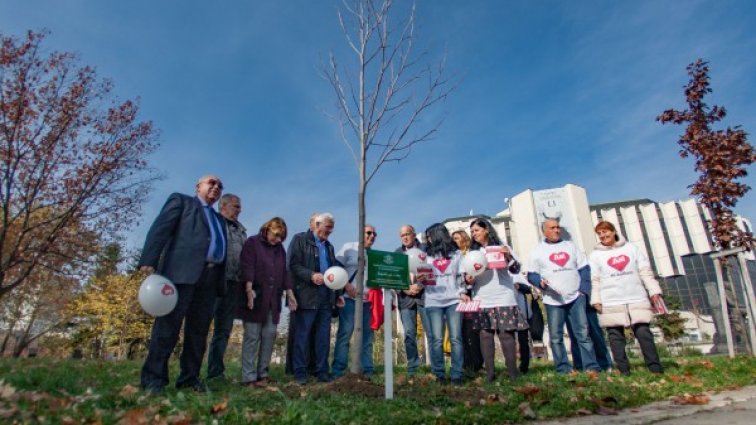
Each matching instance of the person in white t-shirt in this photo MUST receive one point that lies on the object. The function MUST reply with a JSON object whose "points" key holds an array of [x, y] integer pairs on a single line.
{"points": [[557, 266], [500, 312], [441, 301], [348, 255], [622, 282]]}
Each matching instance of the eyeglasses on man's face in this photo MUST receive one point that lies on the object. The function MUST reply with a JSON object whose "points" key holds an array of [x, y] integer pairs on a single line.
{"points": [[371, 233]]}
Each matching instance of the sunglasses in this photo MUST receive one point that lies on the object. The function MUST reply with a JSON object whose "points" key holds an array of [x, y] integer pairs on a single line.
{"points": [[371, 233]]}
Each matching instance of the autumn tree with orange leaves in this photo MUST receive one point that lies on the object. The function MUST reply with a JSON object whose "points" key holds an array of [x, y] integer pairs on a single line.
{"points": [[72, 161], [722, 157]]}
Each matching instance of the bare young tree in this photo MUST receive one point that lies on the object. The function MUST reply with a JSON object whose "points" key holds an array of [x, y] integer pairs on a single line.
{"points": [[381, 92], [72, 161]]}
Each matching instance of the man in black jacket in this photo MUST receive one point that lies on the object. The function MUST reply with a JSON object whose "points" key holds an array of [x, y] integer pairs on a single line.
{"points": [[186, 244], [310, 255], [411, 304]]}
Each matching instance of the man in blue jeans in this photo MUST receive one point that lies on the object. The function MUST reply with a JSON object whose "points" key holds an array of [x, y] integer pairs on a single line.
{"points": [[596, 332], [310, 254], [411, 304], [558, 267], [347, 256]]}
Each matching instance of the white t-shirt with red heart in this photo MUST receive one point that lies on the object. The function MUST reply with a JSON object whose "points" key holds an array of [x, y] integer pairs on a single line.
{"points": [[448, 287], [494, 288], [558, 263], [620, 280]]}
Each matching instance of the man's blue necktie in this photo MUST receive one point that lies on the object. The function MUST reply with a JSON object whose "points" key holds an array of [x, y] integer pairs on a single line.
{"points": [[218, 248]]}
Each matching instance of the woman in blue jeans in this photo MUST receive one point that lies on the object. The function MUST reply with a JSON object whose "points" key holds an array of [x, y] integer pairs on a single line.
{"points": [[441, 299]]}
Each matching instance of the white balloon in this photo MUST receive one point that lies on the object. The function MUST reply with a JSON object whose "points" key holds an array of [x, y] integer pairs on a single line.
{"points": [[335, 277], [157, 295], [416, 258], [474, 263]]}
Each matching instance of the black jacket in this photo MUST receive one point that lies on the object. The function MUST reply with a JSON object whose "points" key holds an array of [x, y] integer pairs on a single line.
{"points": [[303, 260], [409, 301]]}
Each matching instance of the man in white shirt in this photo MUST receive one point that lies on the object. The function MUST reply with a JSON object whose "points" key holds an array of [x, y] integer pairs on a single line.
{"points": [[347, 256], [557, 266]]}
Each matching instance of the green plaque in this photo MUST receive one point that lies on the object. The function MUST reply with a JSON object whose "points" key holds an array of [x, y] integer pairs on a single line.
{"points": [[387, 270]]}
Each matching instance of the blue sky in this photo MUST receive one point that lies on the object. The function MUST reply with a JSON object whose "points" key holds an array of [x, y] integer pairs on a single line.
{"points": [[552, 92]]}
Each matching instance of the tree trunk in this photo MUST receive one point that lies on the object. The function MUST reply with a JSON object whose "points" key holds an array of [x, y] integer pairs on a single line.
{"points": [[356, 345]]}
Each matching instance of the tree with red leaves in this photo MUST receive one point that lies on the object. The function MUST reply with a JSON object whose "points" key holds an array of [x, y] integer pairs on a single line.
{"points": [[722, 158], [72, 161]]}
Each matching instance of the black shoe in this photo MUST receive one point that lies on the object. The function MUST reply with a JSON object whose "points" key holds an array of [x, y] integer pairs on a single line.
{"points": [[197, 387], [154, 390], [441, 380], [456, 381], [301, 381], [324, 377]]}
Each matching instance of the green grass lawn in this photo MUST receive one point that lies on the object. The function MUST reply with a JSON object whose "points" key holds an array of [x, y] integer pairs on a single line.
{"points": [[91, 392]]}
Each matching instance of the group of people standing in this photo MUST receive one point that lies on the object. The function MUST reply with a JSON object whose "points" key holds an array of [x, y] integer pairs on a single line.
{"points": [[221, 274]]}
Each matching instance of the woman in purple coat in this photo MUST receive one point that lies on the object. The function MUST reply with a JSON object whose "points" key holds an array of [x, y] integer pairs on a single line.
{"points": [[263, 265]]}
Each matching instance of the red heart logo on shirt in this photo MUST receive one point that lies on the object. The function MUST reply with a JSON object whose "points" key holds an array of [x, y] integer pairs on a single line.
{"points": [[559, 258], [330, 277], [477, 266], [167, 290], [441, 264], [619, 262], [422, 257]]}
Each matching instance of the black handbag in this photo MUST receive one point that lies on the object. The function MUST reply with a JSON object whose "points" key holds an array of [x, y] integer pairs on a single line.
{"points": [[536, 320]]}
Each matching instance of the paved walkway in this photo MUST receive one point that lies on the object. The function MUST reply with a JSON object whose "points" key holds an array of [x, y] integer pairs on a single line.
{"points": [[725, 408]]}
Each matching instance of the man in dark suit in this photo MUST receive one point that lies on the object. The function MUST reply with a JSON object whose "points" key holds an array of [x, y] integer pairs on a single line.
{"points": [[186, 244]]}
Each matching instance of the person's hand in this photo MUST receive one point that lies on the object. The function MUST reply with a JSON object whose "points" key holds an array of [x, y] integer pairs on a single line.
{"points": [[598, 308], [416, 289], [250, 296], [292, 303], [340, 303], [544, 283], [317, 278], [351, 290], [506, 252], [147, 269], [469, 279], [421, 277], [656, 298], [464, 298]]}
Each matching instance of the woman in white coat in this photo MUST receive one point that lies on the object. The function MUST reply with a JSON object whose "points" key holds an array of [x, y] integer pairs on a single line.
{"points": [[622, 282]]}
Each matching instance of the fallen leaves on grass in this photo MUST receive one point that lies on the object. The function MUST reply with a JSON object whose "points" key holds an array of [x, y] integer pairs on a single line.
{"points": [[6, 390], [219, 407], [8, 413], [526, 411], [134, 417], [128, 391], [687, 379], [528, 390], [491, 399], [693, 399]]}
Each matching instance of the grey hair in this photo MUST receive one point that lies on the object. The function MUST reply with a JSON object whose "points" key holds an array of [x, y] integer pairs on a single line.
{"points": [[324, 217], [228, 197], [543, 225], [411, 227]]}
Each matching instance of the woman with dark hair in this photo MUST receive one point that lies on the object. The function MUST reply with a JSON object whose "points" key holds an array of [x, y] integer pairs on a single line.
{"points": [[263, 265], [470, 336], [622, 282], [441, 301], [499, 313]]}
